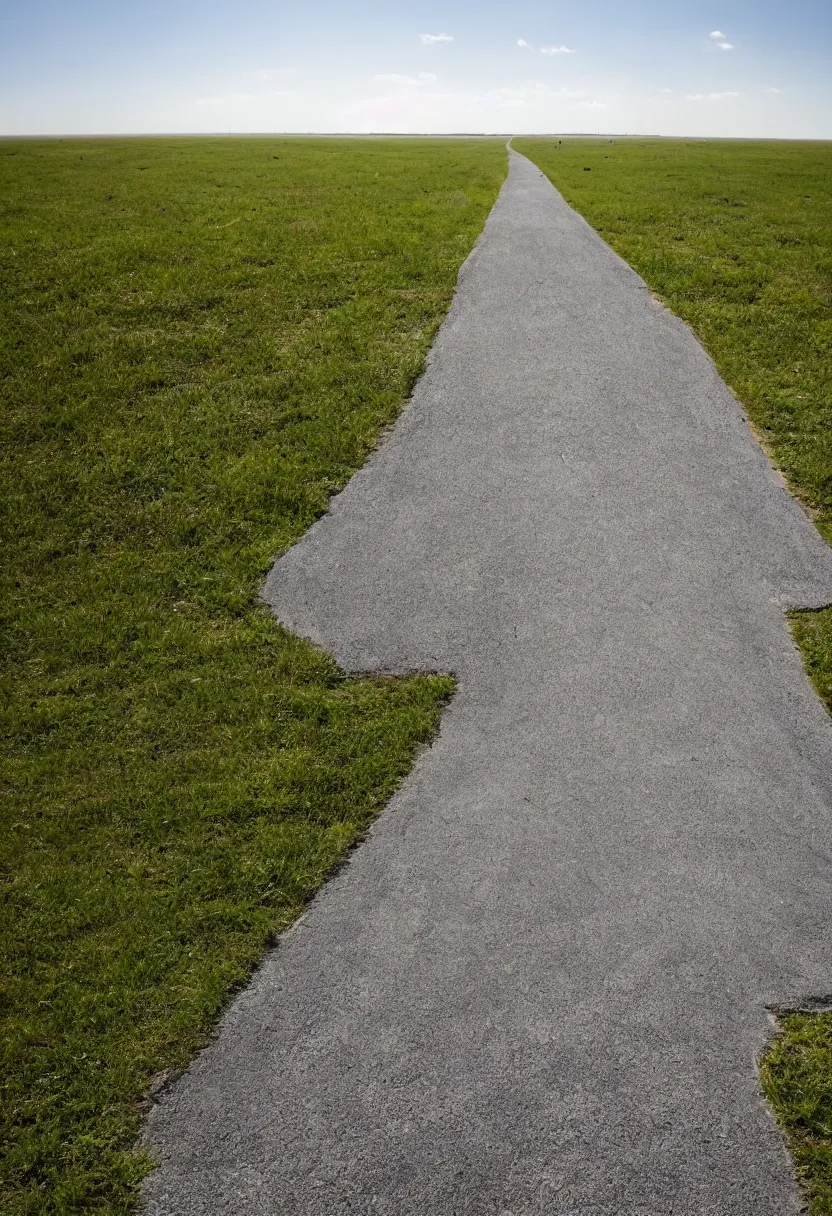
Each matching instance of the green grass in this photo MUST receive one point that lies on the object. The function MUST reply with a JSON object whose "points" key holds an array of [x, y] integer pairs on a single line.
{"points": [[201, 340], [797, 1080], [736, 238]]}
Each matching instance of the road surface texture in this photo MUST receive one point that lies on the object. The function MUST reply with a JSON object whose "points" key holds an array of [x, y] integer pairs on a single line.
{"points": [[541, 986]]}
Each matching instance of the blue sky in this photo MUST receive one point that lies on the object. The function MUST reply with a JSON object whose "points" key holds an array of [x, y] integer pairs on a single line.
{"points": [[675, 67]]}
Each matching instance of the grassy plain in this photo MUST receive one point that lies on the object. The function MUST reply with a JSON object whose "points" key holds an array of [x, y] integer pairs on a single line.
{"points": [[736, 238], [201, 340]]}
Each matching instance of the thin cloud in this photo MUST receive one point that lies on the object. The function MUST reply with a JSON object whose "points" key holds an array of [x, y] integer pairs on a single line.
{"points": [[428, 39], [726, 96], [665, 90], [589, 105], [509, 97], [243, 98], [265, 74], [557, 50], [410, 110], [416, 82], [719, 39], [539, 93], [774, 90]]}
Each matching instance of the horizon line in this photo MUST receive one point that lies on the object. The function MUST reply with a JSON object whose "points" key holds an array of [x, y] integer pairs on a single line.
{"points": [[60, 135]]}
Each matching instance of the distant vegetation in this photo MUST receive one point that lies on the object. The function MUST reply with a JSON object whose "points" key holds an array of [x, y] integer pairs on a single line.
{"points": [[202, 339], [736, 238]]}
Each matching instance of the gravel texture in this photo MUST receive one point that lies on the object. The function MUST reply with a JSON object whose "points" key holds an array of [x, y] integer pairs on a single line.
{"points": [[541, 985]]}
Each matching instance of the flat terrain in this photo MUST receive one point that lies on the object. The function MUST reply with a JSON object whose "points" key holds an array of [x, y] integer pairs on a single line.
{"points": [[202, 339], [736, 237], [540, 986]]}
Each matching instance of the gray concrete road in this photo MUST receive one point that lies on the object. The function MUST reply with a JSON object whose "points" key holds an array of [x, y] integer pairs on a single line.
{"points": [[542, 985]]}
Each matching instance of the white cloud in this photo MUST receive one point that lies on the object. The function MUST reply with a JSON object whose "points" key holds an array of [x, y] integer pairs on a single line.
{"points": [[665, 90], [726, 96], [719, 39], [557, 50], [717, 35], [416, 82], [428, 39], [589, 105], [774, 90], [522, 42]]}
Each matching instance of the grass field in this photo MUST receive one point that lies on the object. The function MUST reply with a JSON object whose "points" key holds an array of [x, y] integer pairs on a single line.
{"points": [[201, 340], [736, 238]]}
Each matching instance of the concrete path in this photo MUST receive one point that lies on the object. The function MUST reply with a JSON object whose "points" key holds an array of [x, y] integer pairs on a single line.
{"points": [[541, 985]]}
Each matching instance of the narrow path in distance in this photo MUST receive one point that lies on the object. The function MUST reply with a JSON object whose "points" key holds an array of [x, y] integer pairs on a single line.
{"points": [[542, 984]]}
